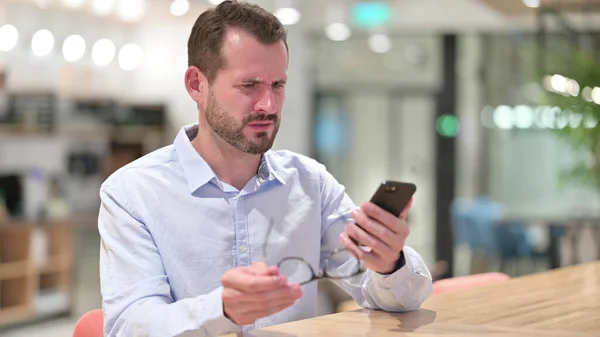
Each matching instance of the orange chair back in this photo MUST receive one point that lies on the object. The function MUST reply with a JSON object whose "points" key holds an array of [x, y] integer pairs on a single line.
{"points": [[91, 324], [467, 282]]}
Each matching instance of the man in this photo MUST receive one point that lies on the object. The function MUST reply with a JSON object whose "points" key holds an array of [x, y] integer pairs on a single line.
{"points": [[183, 228]]}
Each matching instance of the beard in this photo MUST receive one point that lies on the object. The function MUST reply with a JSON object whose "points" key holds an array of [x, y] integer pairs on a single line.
{"points": [[232, 132]]}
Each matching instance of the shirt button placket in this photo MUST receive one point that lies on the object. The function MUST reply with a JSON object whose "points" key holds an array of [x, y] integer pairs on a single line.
{"points": [[242, 231]]}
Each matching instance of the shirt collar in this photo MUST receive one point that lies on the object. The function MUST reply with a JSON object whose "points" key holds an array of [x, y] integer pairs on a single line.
{"points": [[197, 171]]}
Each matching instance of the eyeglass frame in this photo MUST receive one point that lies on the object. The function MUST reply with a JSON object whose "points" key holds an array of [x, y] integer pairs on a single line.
{"points": [[314, 276]]}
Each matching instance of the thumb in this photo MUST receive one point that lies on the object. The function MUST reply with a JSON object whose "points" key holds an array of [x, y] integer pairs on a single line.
{"points": [[261, 268], [404, 213]]}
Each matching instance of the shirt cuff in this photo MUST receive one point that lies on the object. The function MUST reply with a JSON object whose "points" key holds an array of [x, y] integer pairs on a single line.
{"points": [[412, 266], [218, 324]]}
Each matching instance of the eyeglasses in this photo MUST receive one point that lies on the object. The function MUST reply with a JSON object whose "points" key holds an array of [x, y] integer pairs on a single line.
{"points": [[338, 264]]}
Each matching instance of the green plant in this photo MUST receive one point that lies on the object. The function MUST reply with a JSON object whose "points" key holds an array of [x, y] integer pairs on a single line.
{"points": [[583, 131]]}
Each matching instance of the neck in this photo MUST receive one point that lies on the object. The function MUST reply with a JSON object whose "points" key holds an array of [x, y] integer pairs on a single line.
{"points": [[231, 165]]}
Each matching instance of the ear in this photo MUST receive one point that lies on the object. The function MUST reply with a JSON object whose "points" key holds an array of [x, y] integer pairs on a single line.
{"points": [[196, 84]]}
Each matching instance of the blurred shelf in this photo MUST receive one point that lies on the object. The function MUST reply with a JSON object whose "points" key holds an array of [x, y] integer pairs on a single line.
{"points": [[56, 264], [13, 270], [79, 130], [85, 220], [15, 314], [36, 263]]}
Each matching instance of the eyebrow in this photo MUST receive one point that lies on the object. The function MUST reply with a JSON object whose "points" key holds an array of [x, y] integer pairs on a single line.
{"points": [[259, 81]]}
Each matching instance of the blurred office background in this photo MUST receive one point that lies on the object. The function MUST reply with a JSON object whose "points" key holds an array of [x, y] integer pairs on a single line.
{"points": [[490, 107]]}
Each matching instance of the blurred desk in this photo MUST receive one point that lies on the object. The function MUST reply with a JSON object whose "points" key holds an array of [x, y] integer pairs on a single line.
{"points": [[565, 299], [561, 302]]}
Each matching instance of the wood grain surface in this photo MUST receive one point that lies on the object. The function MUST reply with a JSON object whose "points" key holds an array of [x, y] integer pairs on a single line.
{"points": [[561, 302]]}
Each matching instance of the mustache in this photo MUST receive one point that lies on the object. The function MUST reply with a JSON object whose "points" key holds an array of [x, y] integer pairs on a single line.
{"points": [[260, 117]]}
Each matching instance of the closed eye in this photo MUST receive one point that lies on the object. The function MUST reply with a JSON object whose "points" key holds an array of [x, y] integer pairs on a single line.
{"points": [[279, 85]]}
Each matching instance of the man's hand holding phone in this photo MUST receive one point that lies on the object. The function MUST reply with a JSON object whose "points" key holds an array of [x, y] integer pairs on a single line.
{"points": [[256, 291], [382, 232]]}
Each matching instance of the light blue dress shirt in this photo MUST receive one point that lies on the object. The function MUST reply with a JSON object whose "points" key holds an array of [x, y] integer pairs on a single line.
{"points": [[170, 229]]}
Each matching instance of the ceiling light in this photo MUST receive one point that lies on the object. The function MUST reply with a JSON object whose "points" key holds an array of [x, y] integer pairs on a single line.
{"points": [[73, 48], [131, 10], [532, 3], [42, 3], [573, 88], [559, 83], [130, 57], [73, 3], [288, 16], [380, 43], [180, 7], [42, 42], [596, 95], [338, 32], [8, 37], [586, 93], [103, 52], [503, 117], [103, 7]]}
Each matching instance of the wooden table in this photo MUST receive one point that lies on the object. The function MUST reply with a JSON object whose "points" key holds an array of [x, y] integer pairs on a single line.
{"points": [[561, 302]]}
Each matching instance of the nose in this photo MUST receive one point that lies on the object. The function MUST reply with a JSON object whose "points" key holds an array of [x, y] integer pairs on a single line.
{"points": [[266, 104]]}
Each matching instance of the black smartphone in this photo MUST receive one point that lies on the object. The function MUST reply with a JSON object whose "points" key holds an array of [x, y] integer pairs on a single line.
{"points": [[393, 196]]}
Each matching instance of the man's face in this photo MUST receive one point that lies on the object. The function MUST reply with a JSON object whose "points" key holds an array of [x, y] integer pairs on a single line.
{"points": [[244, 103]]}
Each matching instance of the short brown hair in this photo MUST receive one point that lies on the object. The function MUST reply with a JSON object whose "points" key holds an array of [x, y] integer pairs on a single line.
{"points": [[206, 38]]}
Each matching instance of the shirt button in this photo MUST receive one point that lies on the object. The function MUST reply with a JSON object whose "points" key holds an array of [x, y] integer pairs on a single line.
{"points": [[242, 248]]}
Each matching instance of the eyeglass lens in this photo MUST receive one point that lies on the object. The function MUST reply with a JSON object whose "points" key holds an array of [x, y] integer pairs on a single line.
{"points": [[338, 265]]}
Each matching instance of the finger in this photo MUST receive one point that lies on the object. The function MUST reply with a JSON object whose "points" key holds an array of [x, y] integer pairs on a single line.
{"points": [[368, 257], [377, 230], [380, 215], [273, 270], [395, 224], [268, 305], [404, 213], [248, 282], [377, 246], [251, 316], [277, 307], [364, 255], [285, 291], [350, 246], [261, 268]]}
